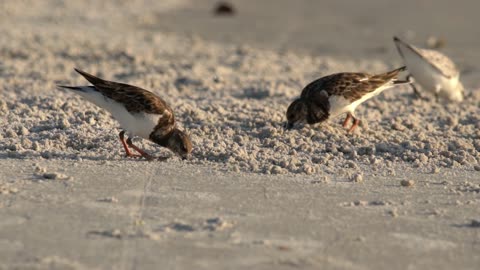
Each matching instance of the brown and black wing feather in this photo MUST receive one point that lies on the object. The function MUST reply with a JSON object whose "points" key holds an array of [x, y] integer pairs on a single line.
{"points": [[135, 99], [352, 86]]}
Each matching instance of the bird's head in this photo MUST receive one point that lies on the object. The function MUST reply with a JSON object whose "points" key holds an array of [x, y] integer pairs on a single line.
{"points": [[459, 94], [296, 112], [179, 143]]}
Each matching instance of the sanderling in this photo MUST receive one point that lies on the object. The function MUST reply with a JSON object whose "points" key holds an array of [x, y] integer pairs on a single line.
{"points": [[432, 70], [140, 112], [339, 93]]}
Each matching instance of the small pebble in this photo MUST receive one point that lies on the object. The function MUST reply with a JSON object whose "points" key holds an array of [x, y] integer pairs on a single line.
{"points": [[360, 239], [352, 165], [398, 126], [64, 124], [23, 131], [40, 170], [277, 170], [407, 183], [5, 190], [360, 203], [91, 121], [308, 169], [393, 212], [357, 178], [10, 134]]}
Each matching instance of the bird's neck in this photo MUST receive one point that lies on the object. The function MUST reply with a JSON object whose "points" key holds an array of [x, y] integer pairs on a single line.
{"points": [[161, 139], [316, 113]]}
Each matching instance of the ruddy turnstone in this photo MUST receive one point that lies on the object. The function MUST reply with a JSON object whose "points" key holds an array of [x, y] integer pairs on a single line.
{"points": [[432, 70], [140, 112], [339, 93]]}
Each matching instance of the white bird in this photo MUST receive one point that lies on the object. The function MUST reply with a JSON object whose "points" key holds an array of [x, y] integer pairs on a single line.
{"points": [[432, 70]]}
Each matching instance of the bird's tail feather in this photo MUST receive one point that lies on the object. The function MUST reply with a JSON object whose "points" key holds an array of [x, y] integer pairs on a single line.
{"points": [[391, 76], [387, 76], [89, 77], [77, 88], [68, 87]]}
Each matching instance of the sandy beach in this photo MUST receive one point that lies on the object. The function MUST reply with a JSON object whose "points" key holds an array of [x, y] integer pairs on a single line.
{"points": [[402, 192]]}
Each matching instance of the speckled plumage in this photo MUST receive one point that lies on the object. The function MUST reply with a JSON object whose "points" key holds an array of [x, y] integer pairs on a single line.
{"points": [[338, 93], [439, 61], [139, 111], [352, 86]]}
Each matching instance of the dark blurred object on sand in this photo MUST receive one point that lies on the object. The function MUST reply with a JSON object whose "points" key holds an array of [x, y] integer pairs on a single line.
{"points": [[224, 9]]}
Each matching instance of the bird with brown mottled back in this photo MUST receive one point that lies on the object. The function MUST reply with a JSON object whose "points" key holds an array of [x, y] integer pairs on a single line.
{"points": [[338, 93], [139, 111]]}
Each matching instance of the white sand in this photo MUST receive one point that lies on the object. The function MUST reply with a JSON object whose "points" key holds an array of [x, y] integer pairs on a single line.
{"points": [[68, 198]]}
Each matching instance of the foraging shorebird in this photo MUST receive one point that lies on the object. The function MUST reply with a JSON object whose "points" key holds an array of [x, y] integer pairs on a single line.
{"points": [[432, 70], [140, 112], [339, 93]]}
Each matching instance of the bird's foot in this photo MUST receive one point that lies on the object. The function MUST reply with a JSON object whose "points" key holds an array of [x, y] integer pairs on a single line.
{"points": [[410, 79], [416, 92], [356, 122], [140, 151], [347, 119]]}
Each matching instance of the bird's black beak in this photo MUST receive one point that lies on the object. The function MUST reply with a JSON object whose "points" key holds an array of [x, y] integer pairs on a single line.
{"points": [[288, 125]]}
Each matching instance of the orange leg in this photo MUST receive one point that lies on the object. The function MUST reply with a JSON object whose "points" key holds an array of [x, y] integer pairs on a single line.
{"points": [[355, 124], [127, 151], [140, 151], [345, 123]]}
